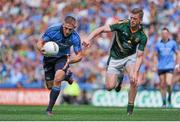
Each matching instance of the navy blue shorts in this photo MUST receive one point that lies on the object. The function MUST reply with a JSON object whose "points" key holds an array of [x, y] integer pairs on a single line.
{"points": [[160, 72], [52, 64]]}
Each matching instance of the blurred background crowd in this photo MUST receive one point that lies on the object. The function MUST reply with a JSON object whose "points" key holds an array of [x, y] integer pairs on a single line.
{"points": [[23, 21]]}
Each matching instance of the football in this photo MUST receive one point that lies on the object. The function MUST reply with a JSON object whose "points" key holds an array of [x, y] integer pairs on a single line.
{"points": [[51, 48]]}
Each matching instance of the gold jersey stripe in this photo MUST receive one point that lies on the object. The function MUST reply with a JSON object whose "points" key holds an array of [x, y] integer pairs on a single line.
{"points": [[123, 21]]}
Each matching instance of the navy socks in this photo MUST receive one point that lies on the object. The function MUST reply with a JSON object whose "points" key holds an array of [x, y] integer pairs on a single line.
{"points": [[53, 96]]}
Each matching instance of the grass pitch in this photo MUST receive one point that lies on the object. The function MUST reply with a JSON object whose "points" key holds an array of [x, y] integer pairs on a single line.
{"points": [[86, 113]]}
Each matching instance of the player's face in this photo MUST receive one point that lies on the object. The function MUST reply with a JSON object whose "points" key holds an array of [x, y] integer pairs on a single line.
{"points": [[135, 20], [67, 29], [165, 35]]}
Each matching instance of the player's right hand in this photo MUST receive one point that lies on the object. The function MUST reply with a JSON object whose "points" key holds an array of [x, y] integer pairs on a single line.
{"points": [[177, 68], [86, 43], [43, 51]]}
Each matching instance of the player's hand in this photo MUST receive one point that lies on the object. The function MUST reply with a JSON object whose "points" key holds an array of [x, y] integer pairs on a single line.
{"points": [[86, 43], [67, 62], [177, 68], [135, 78], [43, 51]]}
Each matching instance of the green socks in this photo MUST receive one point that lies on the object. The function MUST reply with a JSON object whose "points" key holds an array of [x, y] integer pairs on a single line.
{"points": [[130, 108]]}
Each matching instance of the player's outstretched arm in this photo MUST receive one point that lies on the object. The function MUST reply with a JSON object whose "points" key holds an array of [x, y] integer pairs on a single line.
{"points": [[96, 32], [76, 58], [138, 63]]}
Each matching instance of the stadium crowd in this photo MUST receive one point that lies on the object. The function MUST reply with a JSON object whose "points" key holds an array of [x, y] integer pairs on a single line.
{"points": [[23, 21]]}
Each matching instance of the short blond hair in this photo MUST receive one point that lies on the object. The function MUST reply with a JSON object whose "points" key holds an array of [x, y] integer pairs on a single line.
{"points": [[138, 11], [71, 20]]}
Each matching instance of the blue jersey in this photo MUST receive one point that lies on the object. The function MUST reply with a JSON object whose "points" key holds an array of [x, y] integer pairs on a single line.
{"points": [[166, 51], [55, 33]]}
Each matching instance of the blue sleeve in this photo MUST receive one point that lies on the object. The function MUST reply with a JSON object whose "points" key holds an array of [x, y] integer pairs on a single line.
{"points": [[46, 36], [77, 44]]}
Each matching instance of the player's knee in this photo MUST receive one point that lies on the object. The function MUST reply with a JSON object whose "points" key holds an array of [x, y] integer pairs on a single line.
{"points": [[49, 87], [58, 79], [131, 79], [133, 84], [49, 84], [162, 85], [109, 87], [59, 76]]}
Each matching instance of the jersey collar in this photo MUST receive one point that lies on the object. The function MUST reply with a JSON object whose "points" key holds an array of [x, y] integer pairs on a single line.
{"points": [[165, 41]]}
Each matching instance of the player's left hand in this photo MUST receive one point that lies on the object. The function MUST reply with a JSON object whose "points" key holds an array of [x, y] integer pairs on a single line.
{"points": [[67, 62], [135, 78]]}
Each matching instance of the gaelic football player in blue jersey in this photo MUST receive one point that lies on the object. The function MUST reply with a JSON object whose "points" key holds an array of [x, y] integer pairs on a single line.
{"points": [[165, 50], [56, 67]]}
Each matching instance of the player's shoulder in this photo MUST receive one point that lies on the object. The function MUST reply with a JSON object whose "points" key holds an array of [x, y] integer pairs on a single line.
{"points": [[172, 41], [54, 27], [143, 34], [75, 36], [125, 21], [158, 42]]}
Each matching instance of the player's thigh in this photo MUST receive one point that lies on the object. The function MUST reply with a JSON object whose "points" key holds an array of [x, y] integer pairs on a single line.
{"points": [[49, 84], [130, 65], [61, 67], [162, 78], [49, 71], [59, 76], [129, 70], [62, 64], [111, 79], [114, 70], [169, 78]]}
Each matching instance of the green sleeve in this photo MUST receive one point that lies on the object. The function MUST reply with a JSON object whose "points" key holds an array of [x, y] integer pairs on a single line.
{"points": [[115, 27], [142, 43], [119, 26]]}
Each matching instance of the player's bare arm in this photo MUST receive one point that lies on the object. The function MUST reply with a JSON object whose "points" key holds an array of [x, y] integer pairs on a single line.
{"points": [[76, 58], [96, 32], [177, 67], [154, 68], [138, 63], [177, 57]]}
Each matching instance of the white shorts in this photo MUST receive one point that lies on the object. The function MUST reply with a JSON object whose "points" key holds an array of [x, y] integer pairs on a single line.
{"points": [[117, 66]]}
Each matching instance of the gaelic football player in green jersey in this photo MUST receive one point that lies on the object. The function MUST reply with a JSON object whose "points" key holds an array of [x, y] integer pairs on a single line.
{"points": [[126, 52]]}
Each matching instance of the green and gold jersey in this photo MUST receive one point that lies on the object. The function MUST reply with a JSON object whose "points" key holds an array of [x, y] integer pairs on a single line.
{"points": [[124, 41]]}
